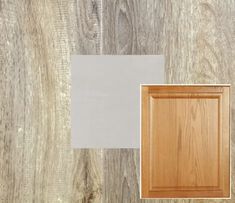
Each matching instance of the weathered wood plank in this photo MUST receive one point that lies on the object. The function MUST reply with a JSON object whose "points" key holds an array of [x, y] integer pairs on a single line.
{"points": [[84, 38], [36, 95], [87, 176], [129, 28], [84, 26], [36, 160]]}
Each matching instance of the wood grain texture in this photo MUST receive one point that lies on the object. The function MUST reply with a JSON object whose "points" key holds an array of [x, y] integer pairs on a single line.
{"points": [[84, 26], [36, 160], [84, 38], [87, 176], [185, 141], [36, 40], [35, 111], [195, 160]]}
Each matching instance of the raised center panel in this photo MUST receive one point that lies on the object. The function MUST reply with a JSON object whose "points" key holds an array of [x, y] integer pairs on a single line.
{"points": [[184, 129]]}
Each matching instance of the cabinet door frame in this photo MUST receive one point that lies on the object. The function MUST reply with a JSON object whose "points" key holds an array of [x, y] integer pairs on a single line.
{"points": [[222, 92]]}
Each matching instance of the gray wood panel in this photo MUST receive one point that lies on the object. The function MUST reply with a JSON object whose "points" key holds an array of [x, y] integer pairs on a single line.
{"points": [[34, 93], [84, 38], [36, 40], [84, 19], [36, 161]]}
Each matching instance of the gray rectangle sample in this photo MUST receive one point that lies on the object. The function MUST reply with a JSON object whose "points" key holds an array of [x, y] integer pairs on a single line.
{"points": [[105, 98]]}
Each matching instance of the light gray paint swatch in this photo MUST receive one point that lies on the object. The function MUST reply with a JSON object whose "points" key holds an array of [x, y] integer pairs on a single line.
{"points": [[106, 98]]}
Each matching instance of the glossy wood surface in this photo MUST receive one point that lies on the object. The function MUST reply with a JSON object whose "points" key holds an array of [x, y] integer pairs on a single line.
{"points": [[185, 141]]}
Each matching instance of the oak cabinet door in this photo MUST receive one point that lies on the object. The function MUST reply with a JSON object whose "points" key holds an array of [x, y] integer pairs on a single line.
{"points": [[185, 150]]}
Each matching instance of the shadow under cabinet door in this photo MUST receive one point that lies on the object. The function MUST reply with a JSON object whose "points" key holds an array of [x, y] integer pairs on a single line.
{"points": [[185, 141]]}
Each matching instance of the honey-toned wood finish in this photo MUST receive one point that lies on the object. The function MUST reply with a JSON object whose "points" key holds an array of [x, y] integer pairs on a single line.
{"points": [[185, 141]]}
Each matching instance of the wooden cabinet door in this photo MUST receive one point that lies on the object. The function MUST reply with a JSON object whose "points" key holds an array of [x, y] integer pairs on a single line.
{"points": [[185, 150]]}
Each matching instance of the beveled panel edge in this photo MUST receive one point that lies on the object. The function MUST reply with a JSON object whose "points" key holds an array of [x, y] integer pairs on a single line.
{"points": [[190, 95]]}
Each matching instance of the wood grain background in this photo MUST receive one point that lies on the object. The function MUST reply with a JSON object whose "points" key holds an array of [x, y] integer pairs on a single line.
{"points": [[37, 38]]}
